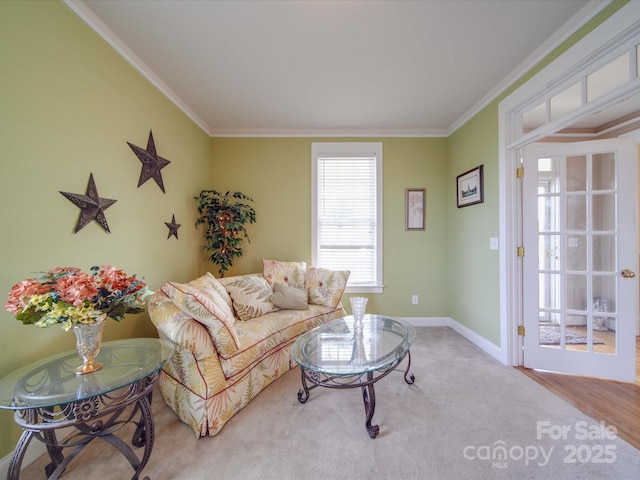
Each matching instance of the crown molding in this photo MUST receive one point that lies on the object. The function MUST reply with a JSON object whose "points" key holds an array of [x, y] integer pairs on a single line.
{"points": [[569, 28], [80, 9], [328, 132]]}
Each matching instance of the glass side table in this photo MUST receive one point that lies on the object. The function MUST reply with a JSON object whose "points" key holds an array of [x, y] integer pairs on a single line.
{"points": [[47, 395]]}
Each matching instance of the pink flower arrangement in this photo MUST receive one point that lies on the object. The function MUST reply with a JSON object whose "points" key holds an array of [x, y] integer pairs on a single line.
{"points": [[69, 296]]}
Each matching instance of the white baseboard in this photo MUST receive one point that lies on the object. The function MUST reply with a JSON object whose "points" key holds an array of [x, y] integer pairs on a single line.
{"points": [[481, 342]]}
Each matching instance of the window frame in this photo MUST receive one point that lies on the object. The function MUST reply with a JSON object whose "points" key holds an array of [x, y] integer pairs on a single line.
{"points": [[347, 149]]}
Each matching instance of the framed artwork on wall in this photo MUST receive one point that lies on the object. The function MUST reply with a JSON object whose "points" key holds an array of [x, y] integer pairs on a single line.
{"points": [[470, 187], [415, 208]]}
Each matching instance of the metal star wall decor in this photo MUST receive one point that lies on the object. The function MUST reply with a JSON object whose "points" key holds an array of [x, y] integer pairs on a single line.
{"points": [[173, 227], [91, 206], [151, 162]]}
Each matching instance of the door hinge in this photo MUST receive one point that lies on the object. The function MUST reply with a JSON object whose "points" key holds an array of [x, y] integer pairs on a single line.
{"points": [[521, 330], [520, 172], [520, 251]]}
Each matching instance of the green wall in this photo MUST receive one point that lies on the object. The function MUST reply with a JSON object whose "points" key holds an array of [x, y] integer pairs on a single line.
{"points": [[276, 173], [474, 275], [69, 103]]}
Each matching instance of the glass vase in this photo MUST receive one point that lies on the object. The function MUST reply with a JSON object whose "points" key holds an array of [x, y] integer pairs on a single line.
{"points": [[358, 307], [88, 341]]}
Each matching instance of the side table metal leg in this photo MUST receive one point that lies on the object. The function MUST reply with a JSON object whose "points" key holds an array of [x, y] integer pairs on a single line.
{"points": [[54, 450], [412, 377], [146, 420], [369, 397], [18, 455]]}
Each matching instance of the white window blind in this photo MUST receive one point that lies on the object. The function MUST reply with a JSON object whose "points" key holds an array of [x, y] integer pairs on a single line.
{"points": [[347, 211]]}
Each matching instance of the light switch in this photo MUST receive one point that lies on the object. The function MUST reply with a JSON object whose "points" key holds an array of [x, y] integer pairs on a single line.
{"points": [[493, 243]]}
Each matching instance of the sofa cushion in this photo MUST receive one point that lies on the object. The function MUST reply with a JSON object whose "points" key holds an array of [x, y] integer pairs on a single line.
{"points": [[289, 298], [250, 295], [325, 286], [208, 309], [289, 273], [208, 281], [270, 334]]}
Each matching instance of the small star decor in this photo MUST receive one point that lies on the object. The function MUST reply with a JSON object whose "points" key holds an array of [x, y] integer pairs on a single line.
{"points": [[91, 206], [173, 227], [152, 164]]}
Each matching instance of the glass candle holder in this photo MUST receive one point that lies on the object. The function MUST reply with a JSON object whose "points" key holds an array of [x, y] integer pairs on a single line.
{"points": [[358, 307]]}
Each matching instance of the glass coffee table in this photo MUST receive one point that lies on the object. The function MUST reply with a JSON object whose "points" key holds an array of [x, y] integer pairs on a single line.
{"points": [[339, 355], [48, 395]]}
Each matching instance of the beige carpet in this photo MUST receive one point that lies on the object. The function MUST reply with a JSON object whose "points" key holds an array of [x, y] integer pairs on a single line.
{"points": [[463, 408]]}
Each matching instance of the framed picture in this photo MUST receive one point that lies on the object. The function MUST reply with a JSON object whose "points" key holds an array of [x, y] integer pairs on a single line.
{"points": [[470, 187], [415, 208]]}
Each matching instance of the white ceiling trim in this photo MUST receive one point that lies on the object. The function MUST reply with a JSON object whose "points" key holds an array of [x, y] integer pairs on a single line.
{"points": [[570, 27], [112, 39], [267, 132]]}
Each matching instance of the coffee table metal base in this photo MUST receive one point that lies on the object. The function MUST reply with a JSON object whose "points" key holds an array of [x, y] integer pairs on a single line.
{"points": [[365, 381]]}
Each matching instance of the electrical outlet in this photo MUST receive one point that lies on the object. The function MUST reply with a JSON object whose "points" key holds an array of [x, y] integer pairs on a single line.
{"points": [[414, 299]]}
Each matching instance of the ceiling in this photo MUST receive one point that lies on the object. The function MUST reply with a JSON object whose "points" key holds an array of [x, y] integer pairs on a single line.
{"points": [[331, 67]]}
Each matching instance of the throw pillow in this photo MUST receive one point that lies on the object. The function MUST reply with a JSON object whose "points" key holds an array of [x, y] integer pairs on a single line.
{"points": [[289, 273], [326, 286], [250, 295], [208, 281], [289, 298], [209, 310]]}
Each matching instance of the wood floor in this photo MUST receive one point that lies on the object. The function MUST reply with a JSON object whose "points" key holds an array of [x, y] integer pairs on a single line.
{"points": [[615, 403]]}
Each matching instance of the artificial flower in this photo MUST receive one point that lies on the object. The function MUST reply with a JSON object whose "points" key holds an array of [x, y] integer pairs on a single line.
{"points": [[68, 296]]}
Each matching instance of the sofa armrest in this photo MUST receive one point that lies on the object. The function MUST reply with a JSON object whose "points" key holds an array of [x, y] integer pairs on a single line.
{"points": [[196, 364]]}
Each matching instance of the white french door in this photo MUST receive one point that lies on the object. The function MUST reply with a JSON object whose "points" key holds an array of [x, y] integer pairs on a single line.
{"points": [[579, 238]]}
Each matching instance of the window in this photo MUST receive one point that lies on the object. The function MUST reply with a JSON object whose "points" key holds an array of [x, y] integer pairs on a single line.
{"points": [[347, 211]]}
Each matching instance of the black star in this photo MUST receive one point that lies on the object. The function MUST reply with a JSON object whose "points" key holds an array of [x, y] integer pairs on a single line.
{"points": [[91, 206], [173, 228], [151, 162]]}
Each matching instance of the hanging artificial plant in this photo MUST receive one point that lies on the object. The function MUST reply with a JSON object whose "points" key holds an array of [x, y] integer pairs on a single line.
{"points": [[224, 217]]}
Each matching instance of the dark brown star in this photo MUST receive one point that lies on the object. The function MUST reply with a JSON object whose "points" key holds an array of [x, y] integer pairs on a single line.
{"points": [[173, 227], [91, 206], [151, 162]]}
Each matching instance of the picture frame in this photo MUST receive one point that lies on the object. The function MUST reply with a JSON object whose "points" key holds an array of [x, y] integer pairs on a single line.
{"points": [[470, 187], [415, 208]]}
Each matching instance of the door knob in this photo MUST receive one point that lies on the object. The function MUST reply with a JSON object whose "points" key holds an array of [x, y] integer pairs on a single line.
{"points": [[626, 273]]}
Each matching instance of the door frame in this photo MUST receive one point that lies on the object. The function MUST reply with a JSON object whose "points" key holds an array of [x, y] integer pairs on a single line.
{"points": [[616, 35]]}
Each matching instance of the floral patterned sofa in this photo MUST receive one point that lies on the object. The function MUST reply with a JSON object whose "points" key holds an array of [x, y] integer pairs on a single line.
{"points": [[233, 335]]}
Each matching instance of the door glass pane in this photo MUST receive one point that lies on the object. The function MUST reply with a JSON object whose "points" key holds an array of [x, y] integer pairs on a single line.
{"points": [[576, 253], [612, 75], [604, 253], [604, 314], [604, 171], [534, 118], [549, 291], [576, 292], [576, 173], [549, 330], [604, 212], [549, 252], [549, 174], [575, 333], [566, 101], [548, 214], [576, 212]]}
